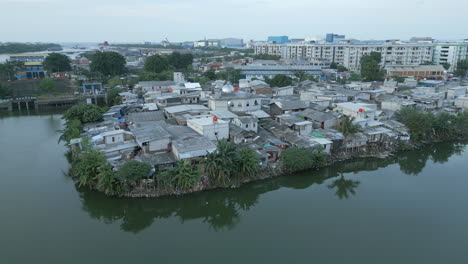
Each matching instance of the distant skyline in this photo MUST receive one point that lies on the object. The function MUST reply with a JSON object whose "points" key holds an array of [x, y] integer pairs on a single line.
{"points": [[183, 20]]}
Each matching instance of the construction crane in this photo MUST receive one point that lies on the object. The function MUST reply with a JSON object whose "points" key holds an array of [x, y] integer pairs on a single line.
{"points": [[168, 43]]}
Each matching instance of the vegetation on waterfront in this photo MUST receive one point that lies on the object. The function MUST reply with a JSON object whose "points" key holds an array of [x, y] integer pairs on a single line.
{"points": [[23, 47], [300, 159], [91, 169], [230, 164], [347, 127], [426, 126], [85, 113], [47, 86], [5, 90]]}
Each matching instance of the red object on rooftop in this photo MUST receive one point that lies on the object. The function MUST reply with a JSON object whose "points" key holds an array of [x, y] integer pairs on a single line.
{"points": [[215, 119], [361, 110], [236, 89]]}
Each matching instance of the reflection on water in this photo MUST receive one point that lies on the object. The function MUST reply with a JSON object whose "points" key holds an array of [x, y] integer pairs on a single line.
{"points": [[344, 187], [222, 209]]}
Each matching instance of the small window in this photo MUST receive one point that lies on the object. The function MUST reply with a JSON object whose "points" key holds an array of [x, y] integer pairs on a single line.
{"points": [[113, 139], [246, 125], [253, 124], [216, 134], [247, 104], [239, 104], [256, 103]]}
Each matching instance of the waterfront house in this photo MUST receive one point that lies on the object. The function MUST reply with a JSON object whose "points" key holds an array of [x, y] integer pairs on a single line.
{"points": [[193, 148]]}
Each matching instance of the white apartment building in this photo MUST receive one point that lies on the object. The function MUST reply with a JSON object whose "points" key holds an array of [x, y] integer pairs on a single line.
{"points": [[450, 53], [349, 55]]}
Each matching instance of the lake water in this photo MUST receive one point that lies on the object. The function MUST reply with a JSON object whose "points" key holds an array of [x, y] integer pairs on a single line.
{"points": [[412, 208]]}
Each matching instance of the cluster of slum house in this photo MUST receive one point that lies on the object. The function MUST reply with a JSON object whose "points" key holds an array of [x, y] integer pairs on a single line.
{"points": [[161, 122]]}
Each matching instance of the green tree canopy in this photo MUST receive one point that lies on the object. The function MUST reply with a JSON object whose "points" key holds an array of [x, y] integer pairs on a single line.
{"points": [[419, 123], [300, 75], [186, 175], [85, 113], [231, 75], [180, 61], [333, 65], [133, 170], [279, 80], [266, 57], [57, 62], [5, 90], [341, 68], [108, 63], [211, 75], [85, 167], [47, 86], [230, 163], [156, 64], [7, 70], [72, 130], [370, 68], [347, 127], [114, 81], [446, 65], [462, 68], [399, 79], [300, 159], [113, 97]]}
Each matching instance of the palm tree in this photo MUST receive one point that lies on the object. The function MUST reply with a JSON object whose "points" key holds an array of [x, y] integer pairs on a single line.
{"points": [[344, 187], [108, 183], [347, 127], [248, 163], [187, 175]]}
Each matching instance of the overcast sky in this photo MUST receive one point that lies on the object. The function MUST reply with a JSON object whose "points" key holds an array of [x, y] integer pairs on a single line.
{"points": [[178, 20]]}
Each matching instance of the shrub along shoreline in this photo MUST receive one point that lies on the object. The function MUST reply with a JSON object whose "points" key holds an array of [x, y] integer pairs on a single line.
{"points": [[230, 166]]}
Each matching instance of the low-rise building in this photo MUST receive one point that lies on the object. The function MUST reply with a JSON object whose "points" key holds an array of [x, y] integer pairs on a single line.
{"points": [[324, 120], [210, 127], [360, 111], [431, 72], [283, 91], [192, 148], [248, 123], [152, 138], [235, 102], [455, 92], [286, 107], [462, 102]]}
